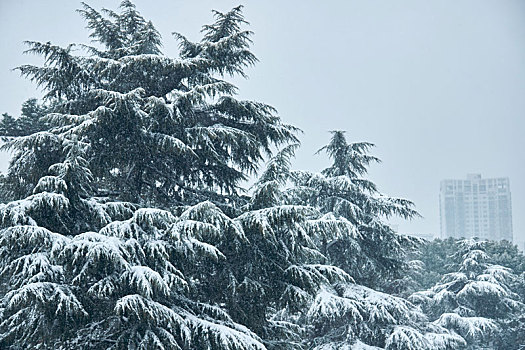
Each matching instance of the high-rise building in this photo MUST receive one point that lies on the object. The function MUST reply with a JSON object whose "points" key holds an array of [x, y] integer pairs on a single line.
{"points": [[476, 207]]}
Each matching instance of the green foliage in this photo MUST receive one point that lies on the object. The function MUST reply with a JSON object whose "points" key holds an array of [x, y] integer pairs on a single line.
{"points": [[155, 129], [476, 297], [436, 257], [377, 252], [28, 123], [136, 282]]}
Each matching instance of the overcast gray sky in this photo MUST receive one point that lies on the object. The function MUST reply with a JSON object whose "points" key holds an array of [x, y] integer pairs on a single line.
{"points": [[438, 86]]}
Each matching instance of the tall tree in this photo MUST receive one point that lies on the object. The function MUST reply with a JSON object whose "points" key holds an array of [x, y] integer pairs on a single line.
{"points": [[81, 269], [159, 129], [341, 190], [308, 299]]}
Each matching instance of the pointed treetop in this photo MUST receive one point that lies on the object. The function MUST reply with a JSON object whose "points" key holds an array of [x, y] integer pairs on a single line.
{"points": [[350, 160], [225, 45], [127, 33], [226, 24]]}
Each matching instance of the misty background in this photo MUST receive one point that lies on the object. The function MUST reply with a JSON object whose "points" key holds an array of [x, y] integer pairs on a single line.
{"points": [[438, 86]]}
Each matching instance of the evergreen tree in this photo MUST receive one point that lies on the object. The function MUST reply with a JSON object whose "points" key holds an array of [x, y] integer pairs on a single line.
{"points": [[313, 302], [477, 299], [375, 254], [8, 125], [28, 123], [81, 269], [436, 259], [136, 283], [159, 129]]}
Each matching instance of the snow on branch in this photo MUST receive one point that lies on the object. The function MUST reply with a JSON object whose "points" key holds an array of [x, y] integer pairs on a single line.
{"points": [[469, 327]]}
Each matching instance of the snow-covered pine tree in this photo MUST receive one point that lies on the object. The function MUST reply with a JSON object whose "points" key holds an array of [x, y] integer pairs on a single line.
{"points": [[285, 267], [435, 260], [159, 129], [376, 254], [313, 303], [81, 271], [477, 299], [142, 280], [136, 283], [349, 233], [28, 123]]}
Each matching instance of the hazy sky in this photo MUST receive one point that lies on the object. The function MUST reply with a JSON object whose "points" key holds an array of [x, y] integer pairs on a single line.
{"points": [[438, 86]]}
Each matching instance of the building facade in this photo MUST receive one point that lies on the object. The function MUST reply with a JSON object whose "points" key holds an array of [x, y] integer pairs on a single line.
{"points": [[476, 207]]}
